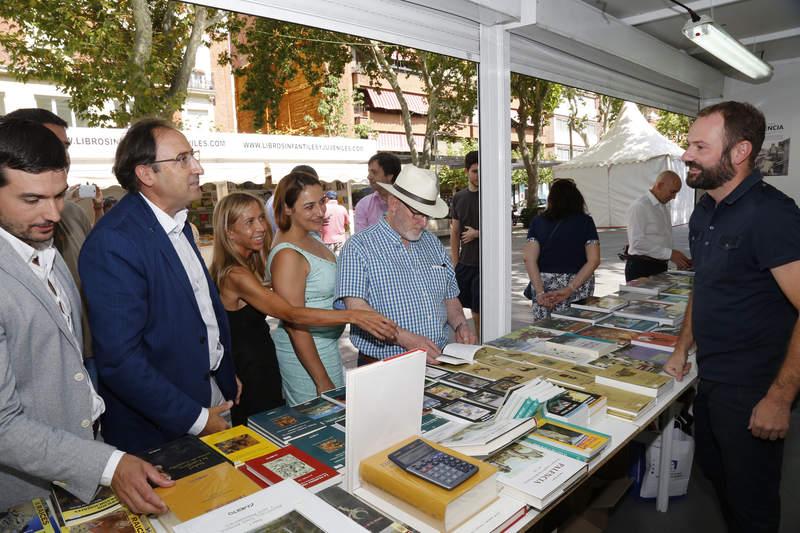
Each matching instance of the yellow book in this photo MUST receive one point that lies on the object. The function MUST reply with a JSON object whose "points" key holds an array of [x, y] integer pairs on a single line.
{"points": [[570, 379], [622, 403], [491, 372], [239, 444], [630, 379], [441, 508], [204, 491]]}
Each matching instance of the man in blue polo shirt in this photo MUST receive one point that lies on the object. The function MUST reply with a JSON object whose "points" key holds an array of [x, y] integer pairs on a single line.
{"points": [[401, 270], [744, 236]]}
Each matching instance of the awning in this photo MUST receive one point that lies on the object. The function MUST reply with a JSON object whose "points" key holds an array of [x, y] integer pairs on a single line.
{"points": [[396, 142], [101, 175], [328, 172], [387, 99]]}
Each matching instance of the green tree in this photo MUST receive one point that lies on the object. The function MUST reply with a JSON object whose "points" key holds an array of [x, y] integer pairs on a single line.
{"points": [[271, 53], [575, 121], [277, 52], [673, 126], [537, 100], [118, 61], [608, 109], [450, 85], [455, 178]]}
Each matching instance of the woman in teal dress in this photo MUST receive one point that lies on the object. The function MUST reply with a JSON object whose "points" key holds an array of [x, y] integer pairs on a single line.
{"points": [[304, 272]]}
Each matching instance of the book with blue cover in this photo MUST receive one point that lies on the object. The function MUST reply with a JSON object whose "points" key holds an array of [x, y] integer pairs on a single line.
{"points": [[283, 424]]}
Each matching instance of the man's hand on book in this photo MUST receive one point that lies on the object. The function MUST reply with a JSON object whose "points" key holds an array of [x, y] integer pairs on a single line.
{"points": [[770, 418], [412, 341], [132, 485], [677, 366]]}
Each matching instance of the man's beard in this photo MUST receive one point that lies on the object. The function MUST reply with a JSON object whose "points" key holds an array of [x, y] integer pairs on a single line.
{"points": [[713, 177]]}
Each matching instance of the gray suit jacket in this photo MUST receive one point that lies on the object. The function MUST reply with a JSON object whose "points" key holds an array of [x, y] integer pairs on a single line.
{"points": [[45, 402]]}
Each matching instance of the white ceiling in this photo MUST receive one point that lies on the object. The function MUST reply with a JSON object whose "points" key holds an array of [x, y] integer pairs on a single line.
{"points": [[769, 28]]}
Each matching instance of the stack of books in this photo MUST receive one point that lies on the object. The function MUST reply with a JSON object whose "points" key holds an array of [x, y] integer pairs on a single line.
{"points": [[574, 441]]}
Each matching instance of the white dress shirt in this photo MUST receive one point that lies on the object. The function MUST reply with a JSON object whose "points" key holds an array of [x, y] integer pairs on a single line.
{"points": [[173, 226], [41, 262], [650, 228]]}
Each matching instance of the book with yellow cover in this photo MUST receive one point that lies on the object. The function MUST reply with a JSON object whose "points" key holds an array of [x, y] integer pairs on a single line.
{"points": [[239, 444], [623, 404], [633, 380], [204, 491], [440, 508], [120, 521], [72, 511], [572, 440]]}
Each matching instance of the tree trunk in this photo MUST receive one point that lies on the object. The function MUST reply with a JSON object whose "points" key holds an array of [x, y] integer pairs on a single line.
{"points": [[140, 54], [391, 77]]}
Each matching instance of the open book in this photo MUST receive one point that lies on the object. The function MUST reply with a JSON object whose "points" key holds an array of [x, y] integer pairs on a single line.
{"points": [[458, 354]]}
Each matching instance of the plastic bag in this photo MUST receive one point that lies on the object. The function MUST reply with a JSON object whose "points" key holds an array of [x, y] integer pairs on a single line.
{"points": [[646, 472]]}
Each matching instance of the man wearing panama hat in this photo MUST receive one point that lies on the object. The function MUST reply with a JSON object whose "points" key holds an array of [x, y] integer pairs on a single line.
{"points": [[401, 270]]}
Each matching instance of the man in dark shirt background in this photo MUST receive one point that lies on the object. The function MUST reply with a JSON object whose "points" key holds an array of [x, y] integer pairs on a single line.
{"points": [[744, 236], [465, 246]]}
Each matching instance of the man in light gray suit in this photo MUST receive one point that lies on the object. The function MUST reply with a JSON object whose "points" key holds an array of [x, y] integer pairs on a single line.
{"points": [[47, 404]]}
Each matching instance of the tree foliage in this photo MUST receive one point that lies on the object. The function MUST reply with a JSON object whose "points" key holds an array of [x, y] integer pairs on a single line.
{"points": [[674, 126], [117, 61], [271, 53], [608, 109], [277, 52], [455, 178], [537, 100]]}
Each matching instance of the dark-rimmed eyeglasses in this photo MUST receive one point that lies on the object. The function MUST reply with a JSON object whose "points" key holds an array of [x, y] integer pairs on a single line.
{"points": [[414, 212], [183, 158]]}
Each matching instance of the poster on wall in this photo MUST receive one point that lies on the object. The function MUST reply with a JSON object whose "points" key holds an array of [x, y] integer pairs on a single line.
{"points": [[773, 159]]}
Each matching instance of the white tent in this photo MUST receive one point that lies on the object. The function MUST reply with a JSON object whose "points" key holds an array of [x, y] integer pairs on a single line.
{"points": [[622, 166]]}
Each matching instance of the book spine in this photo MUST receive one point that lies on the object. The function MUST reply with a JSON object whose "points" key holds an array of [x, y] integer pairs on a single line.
{"points": [[556, 448]]}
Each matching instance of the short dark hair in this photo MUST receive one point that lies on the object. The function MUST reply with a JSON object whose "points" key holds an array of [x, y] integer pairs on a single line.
{"points": [[389, 163], [470, 159], [286, 194], [564, 200], [137, 147], [743, 122], [30, 147], [308, 169], [38, 115]]}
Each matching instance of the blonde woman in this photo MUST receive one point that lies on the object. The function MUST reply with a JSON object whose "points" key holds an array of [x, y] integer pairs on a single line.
{"points": [[242, 239]]}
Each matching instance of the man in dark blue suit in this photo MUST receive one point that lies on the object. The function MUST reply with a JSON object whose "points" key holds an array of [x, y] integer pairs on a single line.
{"points": [[160, 333]]}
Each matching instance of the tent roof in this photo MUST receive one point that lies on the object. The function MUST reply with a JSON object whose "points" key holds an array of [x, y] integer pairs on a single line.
{"points": [[630, 140]]}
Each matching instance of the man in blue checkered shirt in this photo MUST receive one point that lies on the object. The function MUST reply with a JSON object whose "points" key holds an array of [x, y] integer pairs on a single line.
{"points": [[402, 271]]}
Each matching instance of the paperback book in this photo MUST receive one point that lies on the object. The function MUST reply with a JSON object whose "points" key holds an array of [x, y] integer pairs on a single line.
{"points": [[591, 346], [535, 475], [361, 512], [600, 304], [326, 446], [653, 311], [485, 438], [632, 324], [571, 440], [560, 326], [580, 315], [292, 463], [656, 341], [239, 444], [283, 424], [646, 286], [72, 511]]}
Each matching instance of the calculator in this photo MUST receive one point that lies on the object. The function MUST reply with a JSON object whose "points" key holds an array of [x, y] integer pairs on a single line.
{"points": [[423, 460]]}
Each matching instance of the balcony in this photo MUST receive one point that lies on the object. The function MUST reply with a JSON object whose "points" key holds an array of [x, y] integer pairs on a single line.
{"points": [[200, 81]]}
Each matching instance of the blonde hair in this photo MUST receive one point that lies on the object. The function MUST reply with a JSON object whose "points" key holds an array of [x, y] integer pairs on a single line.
{"points": [[226, 213]]}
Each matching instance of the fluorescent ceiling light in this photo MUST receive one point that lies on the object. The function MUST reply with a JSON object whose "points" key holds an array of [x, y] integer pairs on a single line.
{"points": [[718, 42]]}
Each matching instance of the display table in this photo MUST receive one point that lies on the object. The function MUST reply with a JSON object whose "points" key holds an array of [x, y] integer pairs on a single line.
{"points": [[622, 432]]}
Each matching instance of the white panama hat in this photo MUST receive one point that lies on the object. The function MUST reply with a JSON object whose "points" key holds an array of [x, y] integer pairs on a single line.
{"points": [[419, 189]]}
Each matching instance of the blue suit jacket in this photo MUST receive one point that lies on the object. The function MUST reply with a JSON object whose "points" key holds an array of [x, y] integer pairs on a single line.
{"points": [[149, 338]]}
